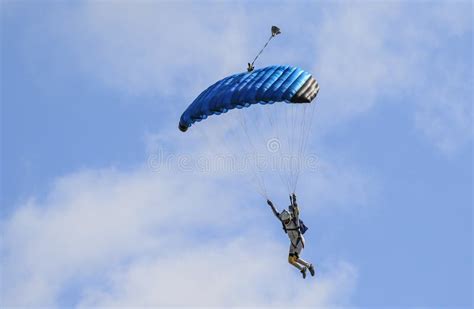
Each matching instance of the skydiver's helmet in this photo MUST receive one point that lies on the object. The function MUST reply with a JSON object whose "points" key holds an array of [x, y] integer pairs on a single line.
{"points": [[285, 216]]}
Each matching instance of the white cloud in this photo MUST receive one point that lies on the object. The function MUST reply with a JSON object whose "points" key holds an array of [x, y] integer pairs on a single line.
{"points": [[363, 54], [142, 238], [239, 273], [354, 65], [137, 238], [355, 189], [445, 113], [384, 52], [158, 48], [332, 180]]}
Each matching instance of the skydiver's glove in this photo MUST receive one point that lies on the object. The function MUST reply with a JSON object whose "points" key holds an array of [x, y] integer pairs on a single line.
{"points": [[294, 197], [270, 203]]}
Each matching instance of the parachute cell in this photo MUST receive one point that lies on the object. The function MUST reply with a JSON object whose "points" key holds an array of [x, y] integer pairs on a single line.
{"points": [[265, 86]]}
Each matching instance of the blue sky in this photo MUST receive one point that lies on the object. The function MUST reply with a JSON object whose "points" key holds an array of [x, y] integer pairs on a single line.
{"points": [[90, 91]]}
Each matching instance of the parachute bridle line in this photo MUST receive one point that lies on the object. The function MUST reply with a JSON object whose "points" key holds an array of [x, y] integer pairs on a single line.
{"points": [[275, 32]]}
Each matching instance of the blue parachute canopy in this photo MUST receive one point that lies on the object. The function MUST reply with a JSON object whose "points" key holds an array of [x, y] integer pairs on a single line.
{"points": [[268, 85]]}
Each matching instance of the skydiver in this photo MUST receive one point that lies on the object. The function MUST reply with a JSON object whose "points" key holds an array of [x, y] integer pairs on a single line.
{"points": [[294, 228]]}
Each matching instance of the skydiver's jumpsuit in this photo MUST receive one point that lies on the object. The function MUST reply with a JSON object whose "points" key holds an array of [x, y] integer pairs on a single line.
{"points": [[296, 238]]}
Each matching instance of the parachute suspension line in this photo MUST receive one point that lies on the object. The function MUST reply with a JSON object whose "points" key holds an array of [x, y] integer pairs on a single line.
{"points": [[294, 138], [285, 152], [264, 139], [276, 132], [280, 122], [275, 32], [260, 181], [311, 120], [297, 132], [291, 138], [286, 157], [203, 132], [269, 140], [254, 179], [278, 165], [308, 129], [290, 156], [297, 126], [300, 154]]}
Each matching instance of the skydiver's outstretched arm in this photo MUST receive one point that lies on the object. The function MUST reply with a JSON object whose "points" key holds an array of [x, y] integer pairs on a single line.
{"points": [[275, 211], [294, 207]]}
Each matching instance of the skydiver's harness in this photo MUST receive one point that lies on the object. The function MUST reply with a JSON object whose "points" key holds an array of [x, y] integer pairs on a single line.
{"points": [[301, 228]]}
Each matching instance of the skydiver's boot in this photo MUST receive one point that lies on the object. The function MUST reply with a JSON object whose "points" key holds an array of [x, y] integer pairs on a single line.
{"points": [[303, 272], [307, 265]]}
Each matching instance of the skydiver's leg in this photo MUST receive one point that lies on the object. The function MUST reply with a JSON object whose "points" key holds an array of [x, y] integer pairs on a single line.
{"points": [[292, 257], [306, 264], [300, 261], [297, 251], [292, 260]]}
